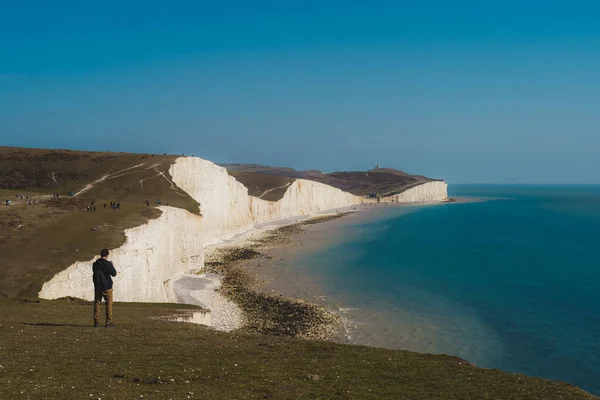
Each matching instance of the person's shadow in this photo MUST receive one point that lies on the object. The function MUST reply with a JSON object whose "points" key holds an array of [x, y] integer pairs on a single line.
{"points": [[52, 324]]}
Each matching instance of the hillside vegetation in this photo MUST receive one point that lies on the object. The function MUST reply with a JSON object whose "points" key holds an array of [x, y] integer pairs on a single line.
{"points": [[263, 186], [40, 240], [383, 181], [119, 177]]}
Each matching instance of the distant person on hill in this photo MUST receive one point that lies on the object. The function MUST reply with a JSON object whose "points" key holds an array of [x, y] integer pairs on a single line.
{"points": [[102, 272]]}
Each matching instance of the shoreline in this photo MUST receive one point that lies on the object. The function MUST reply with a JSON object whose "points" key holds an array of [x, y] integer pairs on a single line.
{"points": [[240, 265], [245, 287]]}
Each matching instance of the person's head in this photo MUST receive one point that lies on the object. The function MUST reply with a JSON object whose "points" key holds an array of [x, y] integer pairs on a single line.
{"points": [[104, 253]]}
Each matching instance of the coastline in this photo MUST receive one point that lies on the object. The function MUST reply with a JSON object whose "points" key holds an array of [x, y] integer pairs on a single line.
{"points": [[246, 287], [243, 266]]}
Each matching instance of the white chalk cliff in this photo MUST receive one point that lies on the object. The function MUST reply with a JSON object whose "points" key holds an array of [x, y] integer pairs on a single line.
{"points": [[228, 209], [157, 253], [426, 192], [151, 257]]}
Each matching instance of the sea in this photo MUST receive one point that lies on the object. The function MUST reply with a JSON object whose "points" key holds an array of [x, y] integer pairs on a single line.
{"points": [[508, 277]]}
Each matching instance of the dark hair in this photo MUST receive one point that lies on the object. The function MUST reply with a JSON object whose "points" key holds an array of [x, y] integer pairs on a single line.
{"points": [[104, 253]]}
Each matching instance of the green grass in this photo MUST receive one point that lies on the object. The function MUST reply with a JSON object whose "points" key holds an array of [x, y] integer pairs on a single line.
{"points": [[49, 350]]}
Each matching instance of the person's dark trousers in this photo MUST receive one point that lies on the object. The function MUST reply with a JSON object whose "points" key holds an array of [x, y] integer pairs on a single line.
{"points": [[108, 298]]}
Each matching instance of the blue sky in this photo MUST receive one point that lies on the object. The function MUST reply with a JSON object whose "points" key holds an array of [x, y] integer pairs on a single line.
{"points": [[469, 91]]}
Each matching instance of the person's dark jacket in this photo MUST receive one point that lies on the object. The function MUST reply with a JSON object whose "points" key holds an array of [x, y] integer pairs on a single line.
{"points": [[103, 270]]}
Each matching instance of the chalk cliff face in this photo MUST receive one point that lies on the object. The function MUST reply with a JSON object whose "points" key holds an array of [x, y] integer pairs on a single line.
{"points": [[305, 197], [224, 202], [228, 209], [152, 256], [172, 245], [427, 192]]}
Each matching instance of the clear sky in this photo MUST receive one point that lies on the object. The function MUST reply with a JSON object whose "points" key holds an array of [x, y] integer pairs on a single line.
{"points": [[470, 91]]}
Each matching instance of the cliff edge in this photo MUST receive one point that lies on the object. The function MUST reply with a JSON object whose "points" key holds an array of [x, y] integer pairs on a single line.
{"points": [[170, 246]]}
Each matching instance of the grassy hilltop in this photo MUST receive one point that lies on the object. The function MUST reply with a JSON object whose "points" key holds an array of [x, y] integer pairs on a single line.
{"points": [[40, 240], [48, 349], [269, 183]]}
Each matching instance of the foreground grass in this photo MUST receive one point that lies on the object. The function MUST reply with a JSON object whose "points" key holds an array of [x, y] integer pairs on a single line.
{"points": [[49, 350]]}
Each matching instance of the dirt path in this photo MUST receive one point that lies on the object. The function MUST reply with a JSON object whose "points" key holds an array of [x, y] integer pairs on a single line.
{"points": [[103, 178], [158, 173], [275, 188], [163, 175]]}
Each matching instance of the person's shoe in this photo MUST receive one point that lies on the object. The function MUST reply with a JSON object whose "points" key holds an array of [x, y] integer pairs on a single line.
{"points": [[96, 324], [110, 325]]}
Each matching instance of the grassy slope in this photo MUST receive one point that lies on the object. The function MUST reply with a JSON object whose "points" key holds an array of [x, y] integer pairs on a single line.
{"points": [[63, 171], [383, 181], [49, 350], [39, 241], [266, 187]]}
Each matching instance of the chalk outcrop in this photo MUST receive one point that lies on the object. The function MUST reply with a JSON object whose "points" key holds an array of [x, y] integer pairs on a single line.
{"points": [[429, 192], [228, 209], [154, 254]]}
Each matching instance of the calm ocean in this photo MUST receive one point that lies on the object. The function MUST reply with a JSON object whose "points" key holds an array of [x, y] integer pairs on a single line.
{"points": [[512, 282]]}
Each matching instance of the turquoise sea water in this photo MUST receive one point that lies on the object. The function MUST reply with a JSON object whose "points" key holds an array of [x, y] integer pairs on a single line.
{"points": [[510, 283]]}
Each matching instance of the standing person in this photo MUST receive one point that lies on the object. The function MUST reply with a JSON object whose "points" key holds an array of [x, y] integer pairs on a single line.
{"points": [[102, 272]]}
